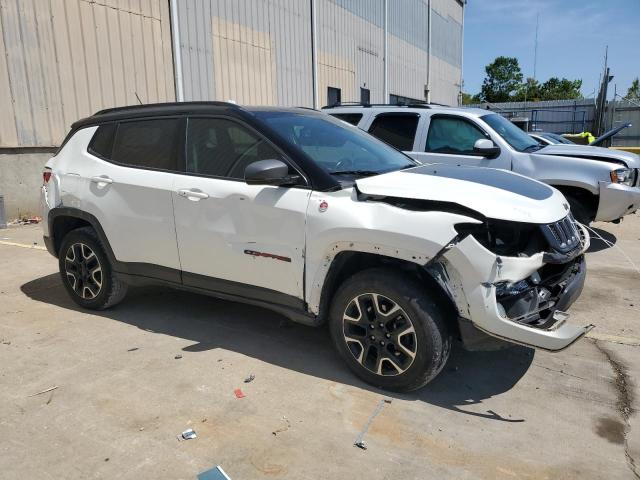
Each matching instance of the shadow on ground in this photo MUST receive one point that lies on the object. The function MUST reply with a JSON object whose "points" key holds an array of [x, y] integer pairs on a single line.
{"points": [[597, 244], [468, 378]]}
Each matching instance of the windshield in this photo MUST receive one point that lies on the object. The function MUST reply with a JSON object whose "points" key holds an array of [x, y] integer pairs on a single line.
{"points": [[515, 137], [336, 146]]}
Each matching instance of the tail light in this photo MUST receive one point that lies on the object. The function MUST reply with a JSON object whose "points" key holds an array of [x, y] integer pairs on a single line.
{"points": [[46, 176]]}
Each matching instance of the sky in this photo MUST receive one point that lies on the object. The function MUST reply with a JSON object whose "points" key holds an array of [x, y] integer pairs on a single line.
{"points": [[572, 36]]}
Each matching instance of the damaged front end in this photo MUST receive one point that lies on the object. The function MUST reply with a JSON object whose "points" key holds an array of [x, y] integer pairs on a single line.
{"points": [[515, 281]]}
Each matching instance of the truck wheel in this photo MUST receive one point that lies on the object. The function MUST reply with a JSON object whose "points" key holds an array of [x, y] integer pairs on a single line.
{"points": [[389, 330], [86, 272], [579, 210]]}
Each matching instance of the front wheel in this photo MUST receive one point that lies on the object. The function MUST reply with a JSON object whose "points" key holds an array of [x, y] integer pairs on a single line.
{"points": [[86, 271], [388, 329]]}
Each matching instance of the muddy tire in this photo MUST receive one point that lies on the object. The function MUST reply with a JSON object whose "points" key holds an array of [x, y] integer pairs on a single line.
{"points": [[389, 330], [86, 271]]}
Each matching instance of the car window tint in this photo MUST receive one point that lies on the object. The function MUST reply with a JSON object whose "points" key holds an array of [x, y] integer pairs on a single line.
{"points": [[102, 140], [223, 148], [398, 130], [352, 118], [452, 135], [147, 143]]}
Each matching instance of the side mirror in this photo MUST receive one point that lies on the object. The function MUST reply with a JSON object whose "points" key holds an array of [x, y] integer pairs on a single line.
{"points": [[269, 172], [486, 148]]}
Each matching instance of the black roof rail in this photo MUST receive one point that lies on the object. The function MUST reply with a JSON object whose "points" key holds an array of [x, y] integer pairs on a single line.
{"points": [[165, 104], [399, 105]]}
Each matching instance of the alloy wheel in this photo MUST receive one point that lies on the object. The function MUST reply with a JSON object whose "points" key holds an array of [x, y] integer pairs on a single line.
{"points": [[83, 271], [379, 334]]}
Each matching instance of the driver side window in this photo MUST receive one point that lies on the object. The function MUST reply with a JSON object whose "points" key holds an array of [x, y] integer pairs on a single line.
{"points": [[452, 135], [222, 148]]}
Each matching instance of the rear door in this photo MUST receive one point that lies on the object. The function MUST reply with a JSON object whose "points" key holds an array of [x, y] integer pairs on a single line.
{"points": [[127, 182], [450, 139], [247, 240], [397, 129]]}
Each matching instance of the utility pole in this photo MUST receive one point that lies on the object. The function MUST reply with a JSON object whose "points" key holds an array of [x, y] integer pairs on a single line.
{"points": [[535, 47]]}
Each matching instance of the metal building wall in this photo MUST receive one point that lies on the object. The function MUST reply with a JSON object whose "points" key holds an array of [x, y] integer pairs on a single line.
{"points": [[61, 60], [252, 52], [259, 52]]}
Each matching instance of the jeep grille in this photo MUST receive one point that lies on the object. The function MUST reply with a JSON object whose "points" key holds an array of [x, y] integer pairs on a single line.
{"points": [[563, 235]]}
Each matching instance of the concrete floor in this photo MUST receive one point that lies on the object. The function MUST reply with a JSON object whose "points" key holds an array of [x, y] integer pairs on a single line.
{"points": [[123, 397]]}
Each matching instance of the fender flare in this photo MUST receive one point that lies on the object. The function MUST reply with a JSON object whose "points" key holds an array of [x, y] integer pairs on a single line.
{"points": [[72, 212]]}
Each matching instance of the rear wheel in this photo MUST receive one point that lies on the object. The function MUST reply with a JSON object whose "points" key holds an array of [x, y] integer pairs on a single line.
{"points": [[389, 330], [86, 272]]}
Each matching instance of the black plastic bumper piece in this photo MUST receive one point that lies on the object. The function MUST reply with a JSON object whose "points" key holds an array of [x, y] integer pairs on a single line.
{"points": [[48, 242]]}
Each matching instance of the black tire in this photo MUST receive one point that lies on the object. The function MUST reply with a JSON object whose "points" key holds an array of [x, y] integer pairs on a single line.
{"points": [[579, 211], [95, 285], [431, 342]]}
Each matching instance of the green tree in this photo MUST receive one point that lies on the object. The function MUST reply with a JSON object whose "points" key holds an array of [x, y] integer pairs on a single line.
{"points": [[560, 89], [528, 91], [634, 90], [468, 99], [503, 80]]}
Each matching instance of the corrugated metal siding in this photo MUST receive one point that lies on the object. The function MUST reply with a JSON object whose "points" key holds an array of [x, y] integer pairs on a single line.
{"points": [[260, 51], [61, 60], [253, 52]]}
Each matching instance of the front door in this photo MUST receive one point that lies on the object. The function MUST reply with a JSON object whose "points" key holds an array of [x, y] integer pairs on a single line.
{"points": [[450, 139], [246, 240]]}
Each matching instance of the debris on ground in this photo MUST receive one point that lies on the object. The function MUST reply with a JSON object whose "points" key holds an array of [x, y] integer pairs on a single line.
{"points": [[284, 428], [26, 220], [133, 349], [178, 357], [188, 435], [216, 473], [44, 391], [239, 393], [359, 441], [250, 378]]}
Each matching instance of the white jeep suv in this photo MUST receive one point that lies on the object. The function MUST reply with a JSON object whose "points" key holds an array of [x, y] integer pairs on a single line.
{"points": [[599, 184], [301, 213]]}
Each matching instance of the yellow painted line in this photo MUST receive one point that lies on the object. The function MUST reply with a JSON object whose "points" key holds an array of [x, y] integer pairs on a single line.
{"points": [[634, 342], [23, 245]]}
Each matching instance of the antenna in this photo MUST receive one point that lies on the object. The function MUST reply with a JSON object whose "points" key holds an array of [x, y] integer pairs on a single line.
{"points": [[535, 48], [139, 101]]}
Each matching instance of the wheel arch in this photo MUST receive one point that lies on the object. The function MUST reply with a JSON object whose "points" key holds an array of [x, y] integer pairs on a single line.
{"points": [[585, 196], [349, 262], [63, 220]]}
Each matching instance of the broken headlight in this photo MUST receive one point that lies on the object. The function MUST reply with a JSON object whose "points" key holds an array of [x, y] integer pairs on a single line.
{"points": [[507, 238]]}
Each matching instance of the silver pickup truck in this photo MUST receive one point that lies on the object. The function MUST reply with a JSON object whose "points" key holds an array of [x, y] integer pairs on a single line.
{"points": [[598, 187]]}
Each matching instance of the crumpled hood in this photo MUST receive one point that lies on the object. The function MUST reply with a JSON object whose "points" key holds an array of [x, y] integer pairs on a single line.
{"points": [[497, 194], [631, 160]]}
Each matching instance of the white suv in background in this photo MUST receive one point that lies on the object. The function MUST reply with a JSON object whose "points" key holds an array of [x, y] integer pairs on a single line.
{"points": [[298, 212], [598, 187]]}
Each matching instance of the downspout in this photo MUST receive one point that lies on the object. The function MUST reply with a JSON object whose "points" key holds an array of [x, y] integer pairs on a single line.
{"points": [[314, 55], [428, 89], [177, 54], [385, 64], [461, 55]]}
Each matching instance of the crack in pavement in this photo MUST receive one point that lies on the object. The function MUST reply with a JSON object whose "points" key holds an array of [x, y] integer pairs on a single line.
{"points": [[625, 400]]}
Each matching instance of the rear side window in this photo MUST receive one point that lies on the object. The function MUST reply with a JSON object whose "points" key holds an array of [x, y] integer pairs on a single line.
{"points": [[398, 130], [352, 118], [147, 143], [222, 148], [102, 140], [452, 135]]}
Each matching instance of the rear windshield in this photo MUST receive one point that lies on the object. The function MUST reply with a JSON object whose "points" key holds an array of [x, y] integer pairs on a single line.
{"points": [[335, 146]]}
